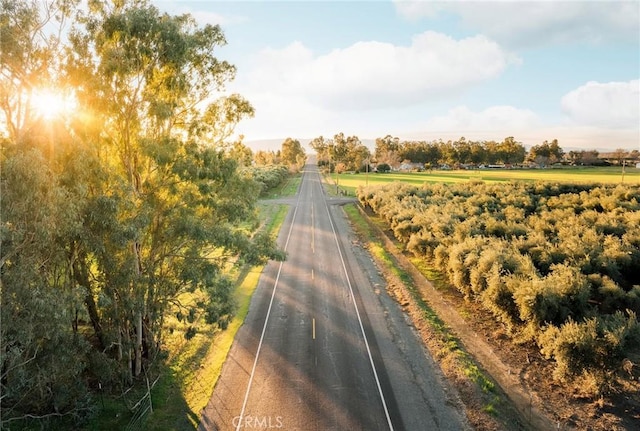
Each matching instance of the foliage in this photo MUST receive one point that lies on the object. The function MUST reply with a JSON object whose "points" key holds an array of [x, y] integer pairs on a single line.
{"points": [[393, 152], [269, 177], [546, 153], [557, 263], [267, 158], [292, 154], [346, 153], [112, 212], [383, 167]]}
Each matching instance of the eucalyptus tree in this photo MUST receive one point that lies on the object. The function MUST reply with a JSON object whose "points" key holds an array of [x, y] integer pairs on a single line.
{"points": [[241, 153], [112, 212], [510, 151], [546, 153], [171, 216], [266, 158], [348, 151], [387, 150], [292, 154], [42, 355], [321, 147]]}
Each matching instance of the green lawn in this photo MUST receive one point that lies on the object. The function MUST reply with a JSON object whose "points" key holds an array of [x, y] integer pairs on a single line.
{"points": [[350, 182]]}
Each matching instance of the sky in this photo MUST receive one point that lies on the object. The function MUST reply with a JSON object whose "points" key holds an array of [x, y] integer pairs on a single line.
{"points": [[424, 70]]}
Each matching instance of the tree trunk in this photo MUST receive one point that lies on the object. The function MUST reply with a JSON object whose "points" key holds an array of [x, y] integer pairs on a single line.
{"points": [[138, 353], [81, 276], [137, 370]]}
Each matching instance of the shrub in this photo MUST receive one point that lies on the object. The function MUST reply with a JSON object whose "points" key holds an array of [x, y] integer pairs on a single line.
{"points": [[497, 297], [553, 299], [592, 348], [383, 167]]}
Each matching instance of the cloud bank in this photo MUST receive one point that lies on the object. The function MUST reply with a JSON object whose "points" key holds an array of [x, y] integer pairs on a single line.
{"points": [[535, 23], [371, 74], [610, 105]]}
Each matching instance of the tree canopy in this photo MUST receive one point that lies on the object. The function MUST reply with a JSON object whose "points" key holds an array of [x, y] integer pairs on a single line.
{"points": [[292, 154], [115, 209]]}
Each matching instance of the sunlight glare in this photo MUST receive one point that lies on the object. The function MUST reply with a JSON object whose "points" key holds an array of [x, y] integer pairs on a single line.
{"points": [[50, 104]]}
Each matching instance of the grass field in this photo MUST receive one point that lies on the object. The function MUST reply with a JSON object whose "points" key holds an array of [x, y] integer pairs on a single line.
{"points": [[350, 182]]}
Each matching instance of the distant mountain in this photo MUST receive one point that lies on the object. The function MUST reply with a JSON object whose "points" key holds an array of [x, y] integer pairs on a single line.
{"points": [[265, 144]]}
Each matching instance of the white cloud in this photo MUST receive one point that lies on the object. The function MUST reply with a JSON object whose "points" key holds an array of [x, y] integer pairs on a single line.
{"points": [[490, 123], [282, 116], [528, 23], [609, 105], [370, 75]]}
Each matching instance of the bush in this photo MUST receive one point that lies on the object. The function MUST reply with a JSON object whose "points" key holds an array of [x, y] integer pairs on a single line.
{"points": [[383, 168], [553, 299], [269, 177], [592, 348]]}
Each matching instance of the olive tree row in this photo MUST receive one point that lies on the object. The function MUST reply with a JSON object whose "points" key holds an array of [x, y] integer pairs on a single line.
{"points": [[557, 264]]}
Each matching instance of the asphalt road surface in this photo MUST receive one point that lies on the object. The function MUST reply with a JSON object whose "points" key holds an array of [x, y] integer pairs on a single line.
{"points": [[323, 347]]}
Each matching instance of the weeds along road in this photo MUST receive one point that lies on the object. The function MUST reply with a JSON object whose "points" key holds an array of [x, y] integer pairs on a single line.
{"points": [[323, 347]]}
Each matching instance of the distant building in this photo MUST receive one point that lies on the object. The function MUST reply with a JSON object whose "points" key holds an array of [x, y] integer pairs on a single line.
{"points": [[638, 165]]}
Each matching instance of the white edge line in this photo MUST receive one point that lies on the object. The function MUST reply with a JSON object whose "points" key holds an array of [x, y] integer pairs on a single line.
{"points": [[364, 336]]}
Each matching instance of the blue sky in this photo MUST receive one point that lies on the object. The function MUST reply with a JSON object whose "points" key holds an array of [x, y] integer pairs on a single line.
{"points": [[537, 70]]}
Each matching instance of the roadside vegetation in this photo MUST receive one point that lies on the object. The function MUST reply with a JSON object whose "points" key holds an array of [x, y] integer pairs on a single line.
{"points": [[128, 212], [193, 366], [485, 403], [555, 264]]}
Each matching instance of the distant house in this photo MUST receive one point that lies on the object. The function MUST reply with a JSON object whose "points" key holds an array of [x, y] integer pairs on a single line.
{"points": [[638, 165]]}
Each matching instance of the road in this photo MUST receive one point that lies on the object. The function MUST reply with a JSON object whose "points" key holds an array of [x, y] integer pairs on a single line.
{"points": [[323, 347]]}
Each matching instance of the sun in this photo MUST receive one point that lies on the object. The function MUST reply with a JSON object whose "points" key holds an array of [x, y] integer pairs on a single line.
{"points": [[50, 104]]}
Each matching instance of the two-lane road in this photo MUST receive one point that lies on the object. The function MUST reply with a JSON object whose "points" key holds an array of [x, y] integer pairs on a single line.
{"points": [[321, 348]]}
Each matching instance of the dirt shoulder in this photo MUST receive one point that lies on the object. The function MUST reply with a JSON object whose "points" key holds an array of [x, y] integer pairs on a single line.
{"points": [[527, 396]]}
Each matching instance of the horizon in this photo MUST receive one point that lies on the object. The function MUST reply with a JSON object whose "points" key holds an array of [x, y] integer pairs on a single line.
{"points": [[276, 143], [434, 70]]}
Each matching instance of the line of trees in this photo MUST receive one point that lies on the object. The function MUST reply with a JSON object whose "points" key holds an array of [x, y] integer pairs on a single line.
{"points": [[341, 153], [114, 210], [392, 151], [291, 155], [556, 264], [349, 154]]}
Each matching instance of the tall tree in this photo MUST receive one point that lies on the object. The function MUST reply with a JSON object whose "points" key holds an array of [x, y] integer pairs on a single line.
{"points": [[292, 154], [546, 153], [387, 151], [620, 155], [177, 196], [241, 153], [42, 358], [264, 158], [321, 147], [113, 213], [510, 151]]}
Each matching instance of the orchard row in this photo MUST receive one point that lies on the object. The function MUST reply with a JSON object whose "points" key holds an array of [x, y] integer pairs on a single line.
{"points": [[557, 264]]}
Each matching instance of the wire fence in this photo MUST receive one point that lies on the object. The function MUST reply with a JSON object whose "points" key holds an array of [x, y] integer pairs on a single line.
{"points": [[142, 408]]}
